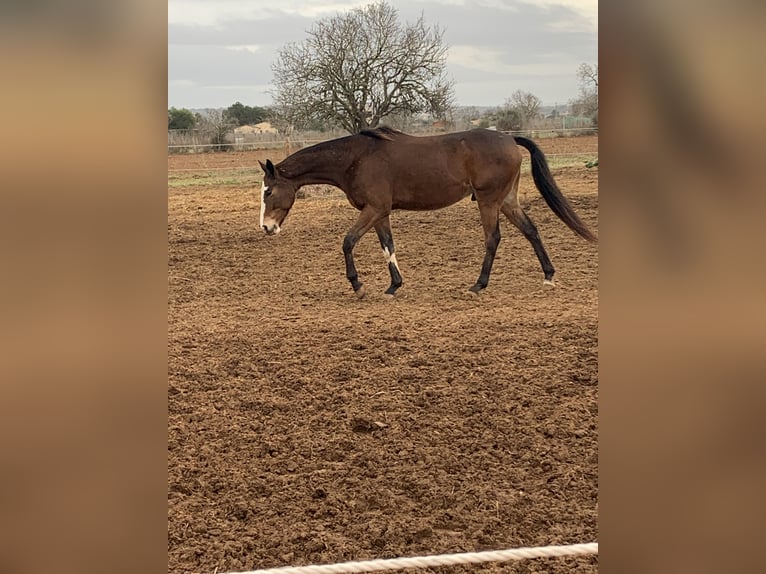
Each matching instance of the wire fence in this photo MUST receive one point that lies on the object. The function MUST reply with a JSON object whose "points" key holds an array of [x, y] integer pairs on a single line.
{"points": [[295, 142], [226, 169]]}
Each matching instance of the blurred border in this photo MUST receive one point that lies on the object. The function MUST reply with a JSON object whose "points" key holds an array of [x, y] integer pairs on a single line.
{"points": [[84, 289], [682, 303], [83, 223]]}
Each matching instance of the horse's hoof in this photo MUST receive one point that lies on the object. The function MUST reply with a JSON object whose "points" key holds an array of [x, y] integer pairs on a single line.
{"points": [[389, 296], [390, 293], [548, 283], [361, 292], [473, 294]]}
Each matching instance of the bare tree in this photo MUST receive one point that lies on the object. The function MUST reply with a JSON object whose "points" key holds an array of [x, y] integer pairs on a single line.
{"points": [[587, 103], [358, 67], [218, 127], [526, 104], [516, 113], [588, 76]]}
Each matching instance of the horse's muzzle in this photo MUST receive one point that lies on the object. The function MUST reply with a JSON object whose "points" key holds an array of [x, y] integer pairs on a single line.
{"points": [[271, 229]]}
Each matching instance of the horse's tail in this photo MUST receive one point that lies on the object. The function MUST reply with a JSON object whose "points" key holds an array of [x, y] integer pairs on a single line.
{"points": [[550, 191]]}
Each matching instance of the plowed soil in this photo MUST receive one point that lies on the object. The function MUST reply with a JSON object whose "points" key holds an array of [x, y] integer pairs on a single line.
{"points": [[307, 426]]}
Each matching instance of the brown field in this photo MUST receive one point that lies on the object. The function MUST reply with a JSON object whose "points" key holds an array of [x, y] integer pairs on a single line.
{"points": [[307, 426]]}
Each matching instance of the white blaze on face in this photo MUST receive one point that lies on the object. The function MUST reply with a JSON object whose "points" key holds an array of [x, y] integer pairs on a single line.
{"points": [[263, 202], [268, 224]]}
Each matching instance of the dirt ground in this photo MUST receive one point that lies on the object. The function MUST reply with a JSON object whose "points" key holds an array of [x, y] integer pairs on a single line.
{"points": [[308, 427]]}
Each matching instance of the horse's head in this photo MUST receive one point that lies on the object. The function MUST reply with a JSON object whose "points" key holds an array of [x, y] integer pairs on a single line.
{"points": [[277, 197]]}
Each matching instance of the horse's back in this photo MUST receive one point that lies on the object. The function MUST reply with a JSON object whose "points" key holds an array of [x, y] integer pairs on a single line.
{"points": [[475, 145], [489, 143], [428, 172]]}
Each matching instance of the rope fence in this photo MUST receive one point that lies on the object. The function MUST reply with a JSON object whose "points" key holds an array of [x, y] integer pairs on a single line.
{"points": [[437, 560]]}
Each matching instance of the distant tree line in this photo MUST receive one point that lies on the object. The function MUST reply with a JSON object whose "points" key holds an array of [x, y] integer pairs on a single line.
{"points": [[247, 115], [235, 115], [216, 126], [523, 108], [182, 119]]}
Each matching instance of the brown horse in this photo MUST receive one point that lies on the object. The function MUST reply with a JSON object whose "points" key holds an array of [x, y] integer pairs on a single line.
{"points": [[383, 169]]}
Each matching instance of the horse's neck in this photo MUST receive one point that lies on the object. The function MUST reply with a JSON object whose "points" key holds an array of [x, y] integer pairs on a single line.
{"points": [[324, 163]]}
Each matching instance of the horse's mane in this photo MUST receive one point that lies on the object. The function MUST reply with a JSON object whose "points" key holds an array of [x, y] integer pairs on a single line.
{"points": [[382, 133]]}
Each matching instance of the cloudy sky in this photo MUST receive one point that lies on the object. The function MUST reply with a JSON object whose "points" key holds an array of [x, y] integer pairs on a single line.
{"points": [[221, 51]]}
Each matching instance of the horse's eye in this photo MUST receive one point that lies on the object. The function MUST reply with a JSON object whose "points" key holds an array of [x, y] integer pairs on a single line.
{"points": [[266, 192]]}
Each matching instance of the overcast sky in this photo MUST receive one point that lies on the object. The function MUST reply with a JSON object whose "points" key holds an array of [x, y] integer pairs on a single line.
{"points": [[221, 51]]}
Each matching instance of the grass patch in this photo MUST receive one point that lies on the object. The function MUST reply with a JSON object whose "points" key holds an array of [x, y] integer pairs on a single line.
{"points": [[559, 161], [216, 178]]}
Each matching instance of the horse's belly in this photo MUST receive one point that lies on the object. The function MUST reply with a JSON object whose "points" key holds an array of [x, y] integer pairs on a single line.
{"points": [[424, 200]]}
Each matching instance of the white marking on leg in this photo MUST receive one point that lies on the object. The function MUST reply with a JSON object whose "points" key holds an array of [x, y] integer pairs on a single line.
{"points": [[392, 259]]}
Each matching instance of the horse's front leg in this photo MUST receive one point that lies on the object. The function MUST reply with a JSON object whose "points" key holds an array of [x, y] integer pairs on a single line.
{"points": [[383, 229], [367, 218]]}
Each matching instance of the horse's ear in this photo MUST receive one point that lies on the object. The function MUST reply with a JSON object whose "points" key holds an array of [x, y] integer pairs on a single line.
{"points": [[268, 167]]}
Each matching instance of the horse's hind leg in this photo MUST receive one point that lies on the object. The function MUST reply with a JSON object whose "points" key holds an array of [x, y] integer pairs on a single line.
{"points": [[514, 212], [383, 229], [490, 221]]}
